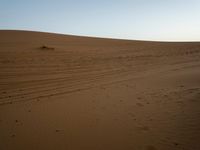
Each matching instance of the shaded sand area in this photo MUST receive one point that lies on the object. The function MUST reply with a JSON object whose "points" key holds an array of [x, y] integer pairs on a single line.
{"points": [[74, 93]]}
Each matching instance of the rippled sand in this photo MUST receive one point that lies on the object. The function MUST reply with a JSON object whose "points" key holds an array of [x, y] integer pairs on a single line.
{"points": [[80, 93]]}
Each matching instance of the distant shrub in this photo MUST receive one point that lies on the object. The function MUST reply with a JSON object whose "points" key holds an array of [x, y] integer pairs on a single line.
{"points": [[46, 47]]}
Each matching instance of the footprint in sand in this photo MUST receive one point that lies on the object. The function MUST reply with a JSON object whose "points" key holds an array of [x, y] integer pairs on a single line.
{"points": [[166, 96], [150, 119], [58, 130], [13, 135], [179, 102], [144, 128], [140, 104], [103, 88]]}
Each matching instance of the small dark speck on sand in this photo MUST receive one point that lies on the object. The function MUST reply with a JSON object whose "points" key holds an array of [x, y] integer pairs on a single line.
{"points": [[13, 135], [176, 144]]}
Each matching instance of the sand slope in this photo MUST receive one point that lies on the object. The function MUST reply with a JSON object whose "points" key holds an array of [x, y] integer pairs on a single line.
{"points": [[97, 94]]}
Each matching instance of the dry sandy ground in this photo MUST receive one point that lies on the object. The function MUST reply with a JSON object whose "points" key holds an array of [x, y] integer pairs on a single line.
{"points": [[80, 93]]}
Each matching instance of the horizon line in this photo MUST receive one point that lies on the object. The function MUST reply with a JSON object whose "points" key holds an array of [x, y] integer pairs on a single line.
{"points": [[103, 37]]}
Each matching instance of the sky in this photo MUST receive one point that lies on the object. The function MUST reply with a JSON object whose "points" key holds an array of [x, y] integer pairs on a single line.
{"points": [[154, 20]]}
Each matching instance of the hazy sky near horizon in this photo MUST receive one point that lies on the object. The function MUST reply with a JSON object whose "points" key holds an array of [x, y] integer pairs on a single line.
{"points": [[169, 20]]}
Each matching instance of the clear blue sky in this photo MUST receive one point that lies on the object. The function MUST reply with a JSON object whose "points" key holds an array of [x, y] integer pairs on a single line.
{"points": [[169, 20]]}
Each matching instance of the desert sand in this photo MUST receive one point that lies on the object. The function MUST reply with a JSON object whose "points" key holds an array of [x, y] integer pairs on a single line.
{"points": [[61, 92]]}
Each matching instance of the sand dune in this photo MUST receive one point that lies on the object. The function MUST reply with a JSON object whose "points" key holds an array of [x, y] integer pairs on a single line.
{"points": [[69, 92]]}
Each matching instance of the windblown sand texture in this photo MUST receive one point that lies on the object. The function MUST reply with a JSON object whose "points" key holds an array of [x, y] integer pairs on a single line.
{"points": [[60, 92]]}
